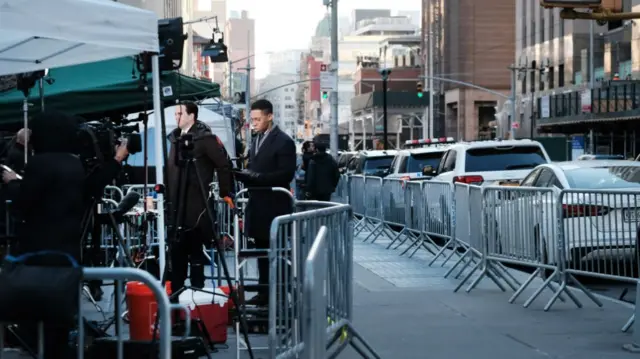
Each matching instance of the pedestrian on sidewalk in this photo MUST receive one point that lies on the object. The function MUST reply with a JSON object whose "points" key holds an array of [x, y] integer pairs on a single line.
{"points": [[322, 176], [307, 152]]}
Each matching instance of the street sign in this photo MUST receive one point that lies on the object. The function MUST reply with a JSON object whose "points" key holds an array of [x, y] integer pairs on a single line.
{"points": [[327, 80]]}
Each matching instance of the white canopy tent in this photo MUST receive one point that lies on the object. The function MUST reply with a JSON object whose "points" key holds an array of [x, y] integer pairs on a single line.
{"points": [[41, 34], [220, 126]]}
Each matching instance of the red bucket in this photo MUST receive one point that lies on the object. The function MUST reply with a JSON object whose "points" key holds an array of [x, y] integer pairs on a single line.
{"points": [[143, 309]]}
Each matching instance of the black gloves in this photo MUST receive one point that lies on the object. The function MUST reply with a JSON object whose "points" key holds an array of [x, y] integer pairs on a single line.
{"points": [[248, 176]]}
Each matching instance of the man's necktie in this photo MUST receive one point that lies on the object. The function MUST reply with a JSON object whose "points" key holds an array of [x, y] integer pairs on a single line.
{"points": [[259, 142]]}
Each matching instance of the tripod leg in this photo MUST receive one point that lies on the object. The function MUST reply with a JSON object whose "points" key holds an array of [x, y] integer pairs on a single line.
{"points": [[233, 294]]}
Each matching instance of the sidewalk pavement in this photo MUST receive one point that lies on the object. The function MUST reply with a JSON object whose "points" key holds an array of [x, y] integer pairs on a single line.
{"points": [[407, 310]]}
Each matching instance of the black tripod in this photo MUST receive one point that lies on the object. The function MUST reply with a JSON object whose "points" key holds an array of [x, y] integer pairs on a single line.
{"points": [[185, 161]]}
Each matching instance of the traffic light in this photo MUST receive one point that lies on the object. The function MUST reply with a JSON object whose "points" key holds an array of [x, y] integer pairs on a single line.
{"points": [[325, 95], [419, 90]]}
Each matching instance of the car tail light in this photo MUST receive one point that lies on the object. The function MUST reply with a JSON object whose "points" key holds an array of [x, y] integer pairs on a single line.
{"points": [[468, 179], [583, 210]]}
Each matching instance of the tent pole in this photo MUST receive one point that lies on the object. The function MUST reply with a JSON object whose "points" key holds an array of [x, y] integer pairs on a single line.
{"points": [[159, 157]]}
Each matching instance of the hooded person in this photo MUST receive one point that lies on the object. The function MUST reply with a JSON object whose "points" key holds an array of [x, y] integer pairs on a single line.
{"points": [[322, 176], [48, 202]]}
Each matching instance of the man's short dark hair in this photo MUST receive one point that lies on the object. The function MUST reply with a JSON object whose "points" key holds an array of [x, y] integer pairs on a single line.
{"points": [[306, 145], [263, 105], [191, 108], [321, 146]]}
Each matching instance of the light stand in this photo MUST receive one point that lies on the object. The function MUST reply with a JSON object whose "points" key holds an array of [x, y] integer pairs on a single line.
{"points": [[25, 82]]}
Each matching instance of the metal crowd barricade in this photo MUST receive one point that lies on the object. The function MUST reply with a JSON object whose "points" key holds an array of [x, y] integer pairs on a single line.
{"points": [[414, 219], [121, 275], [440, 217], [113, 193], [392, 209], [243, 272], [291, 241], [341, 194], [372, 220], [357, 198], [314, 344], [599, 240]]}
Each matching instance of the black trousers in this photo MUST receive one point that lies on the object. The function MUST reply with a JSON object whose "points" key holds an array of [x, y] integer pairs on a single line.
{"points": [[263, 264], [188, 251], [322, 197]]}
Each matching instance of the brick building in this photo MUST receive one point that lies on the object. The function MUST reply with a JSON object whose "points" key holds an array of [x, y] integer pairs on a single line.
{"points": [[473, 42]]}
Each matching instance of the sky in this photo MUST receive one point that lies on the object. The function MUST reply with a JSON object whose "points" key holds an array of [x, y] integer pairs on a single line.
{"points": [[289, 24]]}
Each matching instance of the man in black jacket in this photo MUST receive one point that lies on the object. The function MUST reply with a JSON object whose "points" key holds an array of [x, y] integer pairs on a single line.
{"points": [[272, 163], [188, 206], [50, 203], [322, 176]]}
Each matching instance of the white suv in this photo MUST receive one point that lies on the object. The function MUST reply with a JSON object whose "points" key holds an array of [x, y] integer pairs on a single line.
{"points": [[408, 164], [490, 162]]}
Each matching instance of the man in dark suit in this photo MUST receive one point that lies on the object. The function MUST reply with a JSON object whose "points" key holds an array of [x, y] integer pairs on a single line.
{"points": [[272, 163]]}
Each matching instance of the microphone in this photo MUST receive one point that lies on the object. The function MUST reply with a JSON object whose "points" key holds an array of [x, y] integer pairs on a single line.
{"points": [[129, 201]]}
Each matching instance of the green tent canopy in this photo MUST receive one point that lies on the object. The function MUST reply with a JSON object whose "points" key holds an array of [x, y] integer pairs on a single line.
{"points": [[103, 88]]}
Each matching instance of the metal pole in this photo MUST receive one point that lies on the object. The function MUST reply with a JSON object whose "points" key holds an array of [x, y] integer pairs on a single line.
{"points": [[384, 113], [591, 78], [224, 111], [591, 49], [431, 89], [425, 115], [533, 104], [333, 139], [25, 118], [512, 118], [159, 157], [41, 94], [247, 109]]}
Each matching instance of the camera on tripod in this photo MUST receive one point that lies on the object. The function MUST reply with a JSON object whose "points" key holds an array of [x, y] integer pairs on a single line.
{"points": [[98, 140]]}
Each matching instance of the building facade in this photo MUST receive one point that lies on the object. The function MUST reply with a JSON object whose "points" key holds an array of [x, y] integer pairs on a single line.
{"points": [[473, 42], [240, 39], [561, 92], [282, 93], [285, 62]]}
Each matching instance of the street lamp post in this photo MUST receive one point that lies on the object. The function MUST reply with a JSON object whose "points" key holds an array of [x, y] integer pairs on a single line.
{"points": [[384, 73]]}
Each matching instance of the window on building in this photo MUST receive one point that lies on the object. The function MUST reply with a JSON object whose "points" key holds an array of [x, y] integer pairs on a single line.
{"points": [[532, 73], [523, 83], [551, 77], [552, 21], [561, 72], [288, 98], [543, 75]]}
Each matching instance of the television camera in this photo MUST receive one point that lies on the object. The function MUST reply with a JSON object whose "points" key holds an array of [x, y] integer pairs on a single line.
{"points": [[98, 140]]}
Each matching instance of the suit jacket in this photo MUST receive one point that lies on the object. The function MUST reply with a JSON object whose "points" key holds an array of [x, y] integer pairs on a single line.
{"points": [[276, 162]]}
